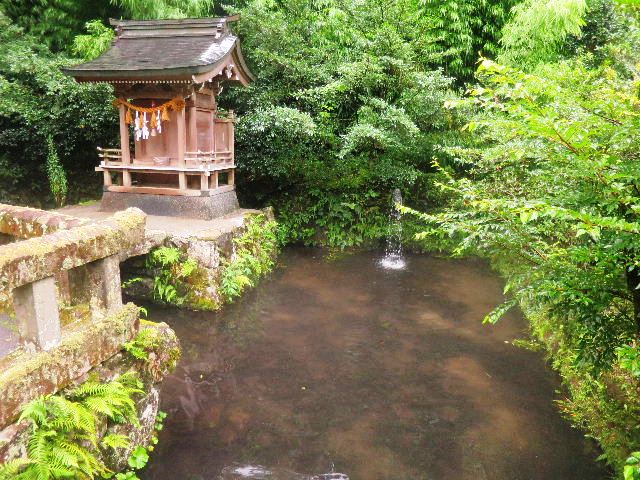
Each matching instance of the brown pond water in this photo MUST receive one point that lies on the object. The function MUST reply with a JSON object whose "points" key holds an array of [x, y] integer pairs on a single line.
{"points": [[382, 375]]}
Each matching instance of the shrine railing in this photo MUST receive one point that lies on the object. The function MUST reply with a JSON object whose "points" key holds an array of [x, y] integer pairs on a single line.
{"points": [[114, 156], [202, 171], [110, 154], [211, 157]]}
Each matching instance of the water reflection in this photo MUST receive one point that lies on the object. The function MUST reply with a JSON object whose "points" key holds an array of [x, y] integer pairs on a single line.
{"points": [[382, 375]]}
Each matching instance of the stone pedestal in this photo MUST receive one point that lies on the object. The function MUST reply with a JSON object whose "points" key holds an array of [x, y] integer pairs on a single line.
{"points": [[213, 205]]}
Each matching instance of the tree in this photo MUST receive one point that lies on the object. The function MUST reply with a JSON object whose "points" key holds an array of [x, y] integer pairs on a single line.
{"points": [[56, 22], [95, 42], [38, 101], [539, 29], [554, 198], [463, 30], [150, 10], [345, 108]]}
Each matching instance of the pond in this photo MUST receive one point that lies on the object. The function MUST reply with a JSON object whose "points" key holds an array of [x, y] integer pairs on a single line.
{"points": [[343, 366]]}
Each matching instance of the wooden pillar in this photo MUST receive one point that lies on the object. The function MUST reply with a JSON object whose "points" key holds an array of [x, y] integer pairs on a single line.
{"points": [[214, 147], [106, 175], [192, 131], [36, 306], [124, 136], [232, 137], [214, 180], [231, 177], [182, 178], [124, 147]]}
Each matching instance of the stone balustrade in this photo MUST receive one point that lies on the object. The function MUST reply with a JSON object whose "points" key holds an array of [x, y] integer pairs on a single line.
{"points": [[60, 260], [85, 258]]}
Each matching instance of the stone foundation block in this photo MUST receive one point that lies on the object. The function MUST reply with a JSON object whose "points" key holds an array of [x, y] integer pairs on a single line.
{"points": [[204, 207]]}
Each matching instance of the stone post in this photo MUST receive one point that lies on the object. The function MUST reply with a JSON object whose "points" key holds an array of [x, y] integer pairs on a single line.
{"points": [[104, 285], [109, 268], [36, 307]]}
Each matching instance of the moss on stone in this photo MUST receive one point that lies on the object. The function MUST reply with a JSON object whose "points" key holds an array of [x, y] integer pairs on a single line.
{"points": [[30, 260], [214, 253], [70, 314], [32, 375]]}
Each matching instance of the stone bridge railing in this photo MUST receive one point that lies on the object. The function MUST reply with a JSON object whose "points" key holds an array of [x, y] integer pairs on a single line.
{"points": [[60, 261], [83, 258]]}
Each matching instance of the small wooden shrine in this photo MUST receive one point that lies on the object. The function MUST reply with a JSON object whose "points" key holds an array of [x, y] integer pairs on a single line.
{"points": [[174, 142]]}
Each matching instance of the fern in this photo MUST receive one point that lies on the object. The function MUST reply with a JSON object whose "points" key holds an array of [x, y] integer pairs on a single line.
{"points": [[63, 442], [165, 256], [171, 272], [115, 441], [12, 468], [253, 258], [146, 340]]}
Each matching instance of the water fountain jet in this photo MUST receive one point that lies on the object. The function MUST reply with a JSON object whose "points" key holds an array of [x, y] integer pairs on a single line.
{"points": [[393, 255]]}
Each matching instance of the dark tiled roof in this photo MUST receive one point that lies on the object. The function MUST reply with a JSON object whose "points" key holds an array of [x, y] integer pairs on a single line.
{"points": [[156, 49]]}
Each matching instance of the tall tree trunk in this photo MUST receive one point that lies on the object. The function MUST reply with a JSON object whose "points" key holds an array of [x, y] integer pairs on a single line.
{"points": [[633, 284]]}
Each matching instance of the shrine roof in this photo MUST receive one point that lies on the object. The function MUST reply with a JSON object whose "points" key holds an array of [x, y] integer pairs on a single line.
{"points": [[182, 50]]}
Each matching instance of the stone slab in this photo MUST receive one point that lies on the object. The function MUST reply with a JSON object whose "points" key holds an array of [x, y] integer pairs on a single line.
{"points": [[205, 207], [36, 306], [159, 228], [29, 376], [9, 337], [25, 222]]}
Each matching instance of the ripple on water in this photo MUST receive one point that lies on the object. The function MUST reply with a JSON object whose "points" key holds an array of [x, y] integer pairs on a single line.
{"points": [[393, 262]]}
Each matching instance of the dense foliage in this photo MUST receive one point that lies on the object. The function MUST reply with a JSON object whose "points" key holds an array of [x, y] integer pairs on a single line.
{"points": [[254, 256], [556, 188], [347, 107], [552, 198], [537, 164], [38, 102]]}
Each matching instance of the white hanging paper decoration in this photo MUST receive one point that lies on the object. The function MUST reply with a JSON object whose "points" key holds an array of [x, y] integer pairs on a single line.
{"points": [[145, 128], [141, 125], [136, 127]]}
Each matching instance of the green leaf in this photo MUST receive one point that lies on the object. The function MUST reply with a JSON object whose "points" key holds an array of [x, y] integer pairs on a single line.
{"points": [[139, 458]]}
